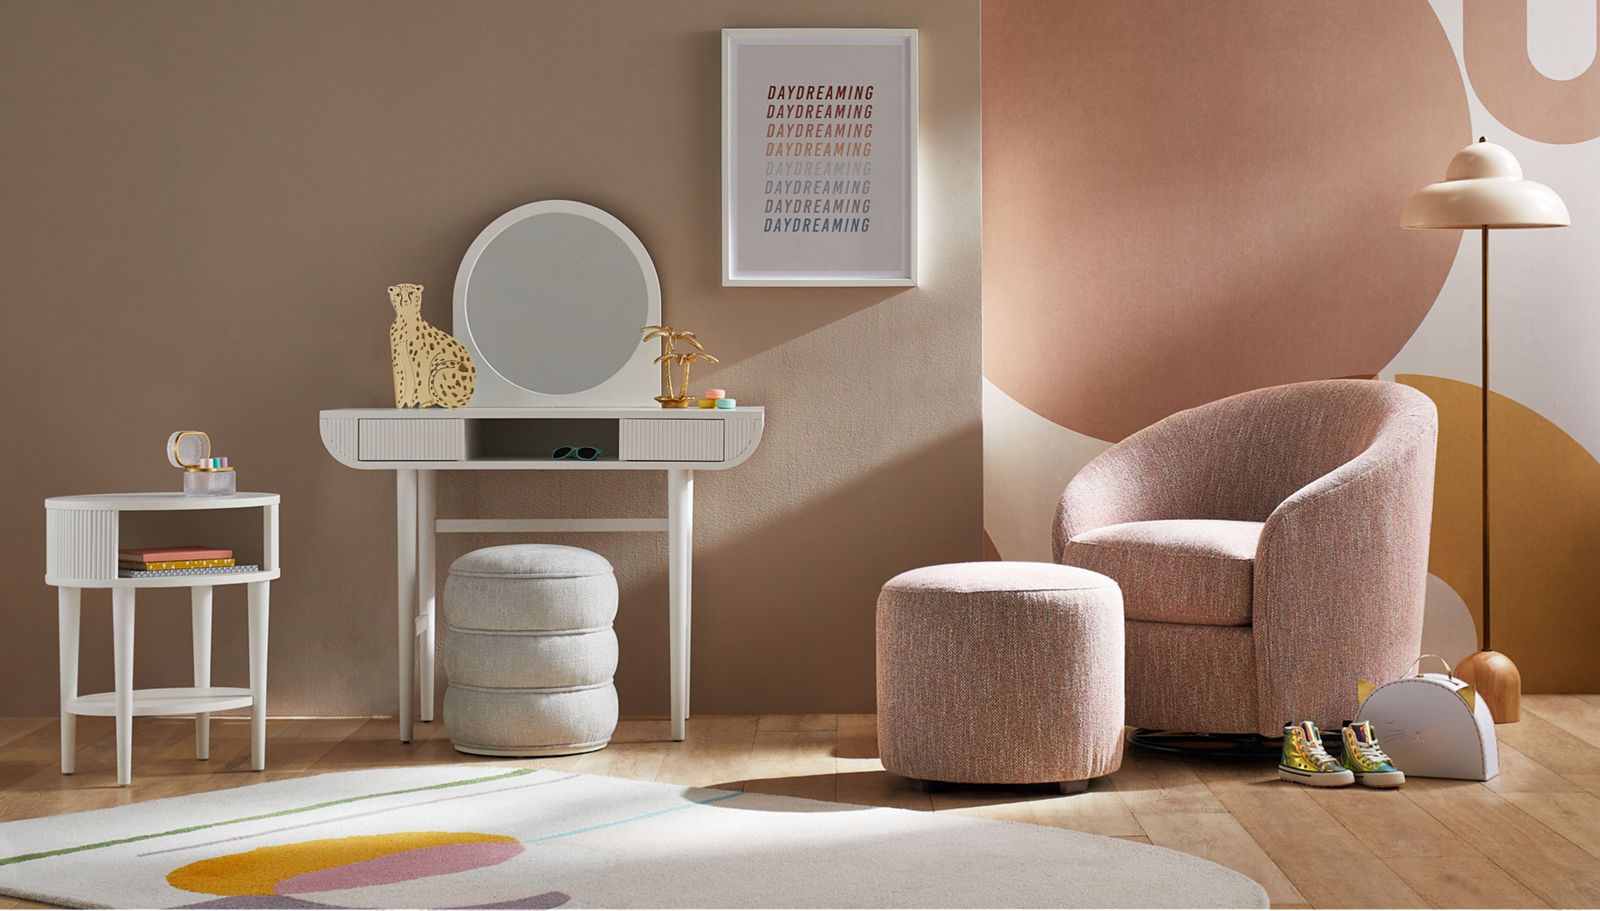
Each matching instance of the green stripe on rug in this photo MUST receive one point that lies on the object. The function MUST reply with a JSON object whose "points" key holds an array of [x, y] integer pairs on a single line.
{"points": [[38, 855]]}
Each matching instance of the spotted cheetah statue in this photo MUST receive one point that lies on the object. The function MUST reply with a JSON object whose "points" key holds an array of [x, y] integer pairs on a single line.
{"points": [[430, 367]]}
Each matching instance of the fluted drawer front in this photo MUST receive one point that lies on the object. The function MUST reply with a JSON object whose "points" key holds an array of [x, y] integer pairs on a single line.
{"points": [[671, 440], [424, 440], [81, 543]]}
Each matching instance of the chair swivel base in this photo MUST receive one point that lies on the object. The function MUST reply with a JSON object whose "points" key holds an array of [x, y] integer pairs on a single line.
{"points": [[924, 786], [1227, 747]]}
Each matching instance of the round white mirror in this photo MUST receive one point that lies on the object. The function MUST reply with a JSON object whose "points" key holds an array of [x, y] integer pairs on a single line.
{"points": [[550, 300]]}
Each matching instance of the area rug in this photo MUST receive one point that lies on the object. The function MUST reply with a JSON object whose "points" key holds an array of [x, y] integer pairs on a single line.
{"points": [[500, 837]]}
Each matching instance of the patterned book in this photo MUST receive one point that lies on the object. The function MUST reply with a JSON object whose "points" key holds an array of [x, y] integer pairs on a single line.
{"points": [[174, 564], [202, 571]]}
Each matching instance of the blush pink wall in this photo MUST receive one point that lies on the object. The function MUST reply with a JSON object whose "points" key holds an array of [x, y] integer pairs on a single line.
{"points": [[1187, 200]]}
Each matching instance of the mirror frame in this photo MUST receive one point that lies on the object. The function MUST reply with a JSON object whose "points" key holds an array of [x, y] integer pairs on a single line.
{"points": [[634, 384]]}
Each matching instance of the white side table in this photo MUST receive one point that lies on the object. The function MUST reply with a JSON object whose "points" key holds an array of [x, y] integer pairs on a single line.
{"points": [[81, 552]]}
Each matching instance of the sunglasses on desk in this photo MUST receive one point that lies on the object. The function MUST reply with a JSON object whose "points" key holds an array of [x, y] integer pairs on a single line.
{"points": [[581, 453]]}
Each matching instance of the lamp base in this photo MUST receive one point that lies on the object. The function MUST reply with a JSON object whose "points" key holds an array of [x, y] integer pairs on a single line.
{"points": [[1498, 682]]}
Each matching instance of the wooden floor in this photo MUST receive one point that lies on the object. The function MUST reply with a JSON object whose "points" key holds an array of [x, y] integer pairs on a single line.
{"points": [[1529, 838]]}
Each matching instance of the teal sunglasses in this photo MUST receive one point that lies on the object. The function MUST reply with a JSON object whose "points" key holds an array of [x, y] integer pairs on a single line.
{"points": [[581, 453]]}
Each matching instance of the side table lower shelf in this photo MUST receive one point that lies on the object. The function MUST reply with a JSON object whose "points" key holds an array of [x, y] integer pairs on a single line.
{"points": [[199, 700], [182, 700]]}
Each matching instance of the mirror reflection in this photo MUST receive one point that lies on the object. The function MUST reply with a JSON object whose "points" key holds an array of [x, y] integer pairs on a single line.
{"points": [[555, 302]]}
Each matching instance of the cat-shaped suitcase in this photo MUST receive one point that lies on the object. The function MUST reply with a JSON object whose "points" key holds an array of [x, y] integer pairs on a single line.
{"points": [[1432, 725]]}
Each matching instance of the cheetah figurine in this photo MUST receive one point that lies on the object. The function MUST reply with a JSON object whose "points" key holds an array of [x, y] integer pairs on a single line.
{"points": [[430, 367]]}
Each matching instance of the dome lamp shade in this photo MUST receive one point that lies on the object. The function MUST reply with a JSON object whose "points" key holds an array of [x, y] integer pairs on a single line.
{"points": [[1484, 188]]}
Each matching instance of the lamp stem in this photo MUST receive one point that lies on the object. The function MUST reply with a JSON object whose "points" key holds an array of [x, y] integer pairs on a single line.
{"points": [[1485, 427]]}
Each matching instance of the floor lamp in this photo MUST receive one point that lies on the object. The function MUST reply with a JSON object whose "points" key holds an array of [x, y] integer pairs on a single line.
{"points": [[1483, 189]]}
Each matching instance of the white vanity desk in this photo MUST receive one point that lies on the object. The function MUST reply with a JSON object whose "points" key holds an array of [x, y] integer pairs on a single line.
{"points": [[415, 444]]}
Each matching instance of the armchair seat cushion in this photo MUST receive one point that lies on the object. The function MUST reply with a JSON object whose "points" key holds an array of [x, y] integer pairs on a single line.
{"points": [[1195, 571]]}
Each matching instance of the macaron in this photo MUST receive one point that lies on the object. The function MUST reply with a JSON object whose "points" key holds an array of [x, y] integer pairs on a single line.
{"points": [[727, 403], [714, 394], [708, 403]]}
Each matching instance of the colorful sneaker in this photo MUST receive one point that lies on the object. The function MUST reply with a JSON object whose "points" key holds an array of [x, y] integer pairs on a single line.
{"points": [[1366, 760], [1305, 761]]}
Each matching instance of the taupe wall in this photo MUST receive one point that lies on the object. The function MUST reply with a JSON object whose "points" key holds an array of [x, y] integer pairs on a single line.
{"points": [[202, 204]]}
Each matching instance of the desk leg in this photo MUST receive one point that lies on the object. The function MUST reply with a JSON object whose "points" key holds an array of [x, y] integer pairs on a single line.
{"points": [[688, 617], [680, 548], [200, 621], [405, 506], [122, 661], [427, 512], [68, 601], [258, 593]]}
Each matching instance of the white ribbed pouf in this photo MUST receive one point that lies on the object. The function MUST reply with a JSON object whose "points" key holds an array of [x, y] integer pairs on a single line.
{"points": [[529, 651]]}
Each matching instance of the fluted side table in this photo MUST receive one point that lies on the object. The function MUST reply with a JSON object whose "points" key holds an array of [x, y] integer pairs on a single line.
{"points": [[82, 536]]}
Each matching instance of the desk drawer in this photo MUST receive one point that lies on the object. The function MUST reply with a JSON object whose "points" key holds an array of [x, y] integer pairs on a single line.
{"points": [[671, 440], [400, 440]]}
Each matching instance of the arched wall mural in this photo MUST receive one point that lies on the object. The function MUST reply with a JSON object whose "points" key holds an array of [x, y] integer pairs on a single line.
{"points": [[1181, 203]]}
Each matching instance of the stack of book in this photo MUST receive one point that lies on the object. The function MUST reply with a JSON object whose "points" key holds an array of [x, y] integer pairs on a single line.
{"points": [[185, 560]]}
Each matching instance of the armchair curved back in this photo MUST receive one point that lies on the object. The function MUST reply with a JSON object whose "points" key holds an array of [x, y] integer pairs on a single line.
{"points": [[1242, 456]]}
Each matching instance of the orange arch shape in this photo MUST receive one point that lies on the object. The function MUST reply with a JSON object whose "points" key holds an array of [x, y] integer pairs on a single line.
{"points": [[1544, 529]]}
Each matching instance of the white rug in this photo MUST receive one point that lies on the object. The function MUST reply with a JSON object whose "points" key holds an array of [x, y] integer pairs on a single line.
{"points": [[491, 836]]}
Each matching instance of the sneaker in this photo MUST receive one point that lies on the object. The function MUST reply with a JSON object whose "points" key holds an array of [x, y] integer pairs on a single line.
{"points": [[1366, 760], [1305, 761]]}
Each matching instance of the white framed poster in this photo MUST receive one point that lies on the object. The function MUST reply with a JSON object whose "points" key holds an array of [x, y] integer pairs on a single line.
{"points": [[819, 156]]}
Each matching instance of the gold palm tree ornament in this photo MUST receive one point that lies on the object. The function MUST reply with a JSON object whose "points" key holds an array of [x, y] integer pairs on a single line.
{"points": [[676, 394]]}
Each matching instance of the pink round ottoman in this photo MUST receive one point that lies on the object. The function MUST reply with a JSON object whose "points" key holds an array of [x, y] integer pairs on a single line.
{"points": [[1000, 673]]}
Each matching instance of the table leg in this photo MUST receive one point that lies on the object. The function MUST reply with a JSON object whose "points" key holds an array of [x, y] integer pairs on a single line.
{"points": [[68, 601], [122, 661], [200, 621], [680, 529], [688, 616], [405, 505], [427, 512], [258, 598]]}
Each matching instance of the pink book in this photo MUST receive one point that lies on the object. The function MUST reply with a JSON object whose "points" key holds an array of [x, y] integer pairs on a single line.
{"points": [[180, 552]]}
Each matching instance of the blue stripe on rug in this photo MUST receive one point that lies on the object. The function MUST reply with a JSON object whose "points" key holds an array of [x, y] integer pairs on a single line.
{"points": [[622, 822]]}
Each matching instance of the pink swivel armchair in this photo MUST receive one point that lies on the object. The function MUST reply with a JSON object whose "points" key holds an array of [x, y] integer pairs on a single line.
{"points": [[1272, 549]]}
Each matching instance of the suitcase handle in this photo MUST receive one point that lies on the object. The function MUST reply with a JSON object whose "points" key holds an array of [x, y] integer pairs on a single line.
{"points": [[1448, 670]]}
